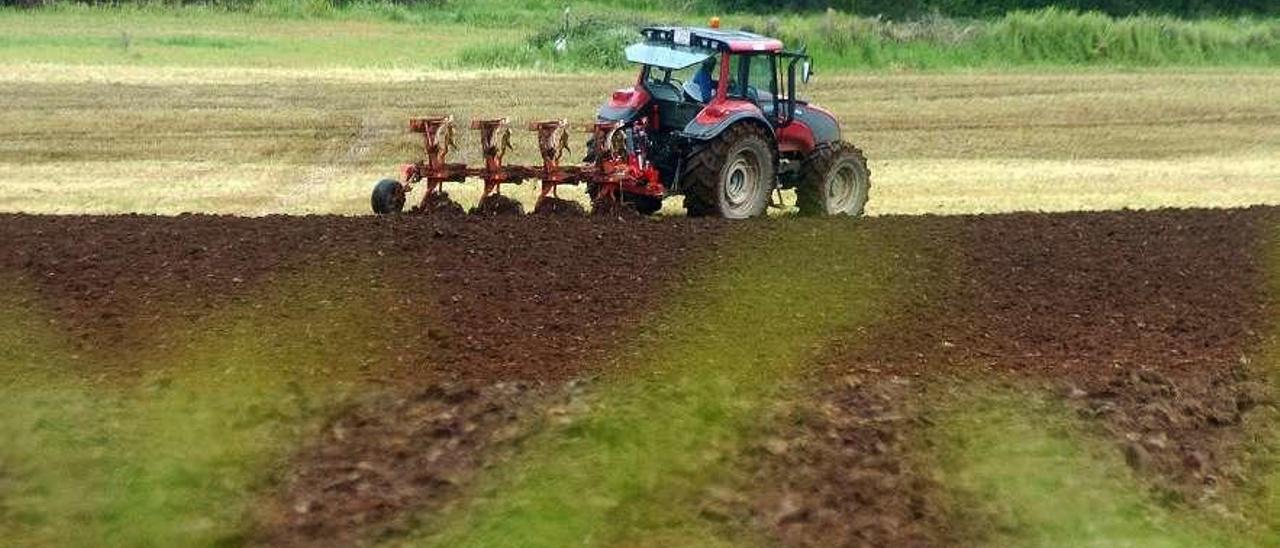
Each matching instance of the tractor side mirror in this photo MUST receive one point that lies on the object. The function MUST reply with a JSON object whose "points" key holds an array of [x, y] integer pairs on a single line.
{"points": [[806, 71]]}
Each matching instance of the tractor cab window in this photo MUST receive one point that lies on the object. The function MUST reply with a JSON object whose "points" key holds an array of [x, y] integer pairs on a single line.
{"points": [[758, 79], [696, 82], [677, 73], [736, 76]]}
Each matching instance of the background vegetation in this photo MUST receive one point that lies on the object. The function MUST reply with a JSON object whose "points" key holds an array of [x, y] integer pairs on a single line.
{"points": [[1050, 36], [523, 34], [884, 8]]}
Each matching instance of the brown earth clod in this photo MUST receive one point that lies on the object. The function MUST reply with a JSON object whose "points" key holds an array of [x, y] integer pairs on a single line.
{"points": [[399, 451], [557, 206], [439, 204], [497, 204]]}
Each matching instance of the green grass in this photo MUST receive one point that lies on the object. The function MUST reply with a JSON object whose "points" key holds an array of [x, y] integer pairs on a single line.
{"points": [[1021, 472], [174, 455], [630, 469], [1048, 37], [1260, 498], [209, 37], [45, 410]]}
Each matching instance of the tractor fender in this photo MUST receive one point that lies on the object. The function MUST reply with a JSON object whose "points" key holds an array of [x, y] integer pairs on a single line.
{"points": [[719, 115], [624, 105], [820, 122]]}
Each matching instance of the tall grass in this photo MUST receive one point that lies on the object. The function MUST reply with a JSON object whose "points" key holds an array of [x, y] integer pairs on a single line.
{"points": [[837, 40], [1049, 36], [593, 42], [1076, 38]]}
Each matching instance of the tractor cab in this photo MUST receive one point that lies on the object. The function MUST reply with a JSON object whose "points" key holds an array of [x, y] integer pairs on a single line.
{"points": [[697, 76]]}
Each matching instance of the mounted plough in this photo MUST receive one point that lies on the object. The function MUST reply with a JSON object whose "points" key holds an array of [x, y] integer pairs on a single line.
{"points": [[616, 169]]}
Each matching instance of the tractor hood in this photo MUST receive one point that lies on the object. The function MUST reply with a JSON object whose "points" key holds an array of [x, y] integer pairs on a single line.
{"points": [[667, 55]]}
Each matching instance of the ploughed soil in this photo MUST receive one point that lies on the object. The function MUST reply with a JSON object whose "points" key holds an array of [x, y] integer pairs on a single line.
{"points": [[502, 298], [1140, 321], [489, 318], [1143, 322]]}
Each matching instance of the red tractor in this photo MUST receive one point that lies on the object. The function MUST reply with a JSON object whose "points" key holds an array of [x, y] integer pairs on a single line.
{"points": [[713, 116]]}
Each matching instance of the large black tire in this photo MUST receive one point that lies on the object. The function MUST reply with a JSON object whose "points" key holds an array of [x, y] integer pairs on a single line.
{"points": [[388, 197], [834, 180], [732, 175]]}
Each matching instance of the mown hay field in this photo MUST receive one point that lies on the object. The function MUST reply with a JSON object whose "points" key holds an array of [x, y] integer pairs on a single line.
{"points": [[112, 139]]}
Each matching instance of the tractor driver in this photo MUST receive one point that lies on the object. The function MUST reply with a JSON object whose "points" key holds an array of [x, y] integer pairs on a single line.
{"points": [[704, 85]]}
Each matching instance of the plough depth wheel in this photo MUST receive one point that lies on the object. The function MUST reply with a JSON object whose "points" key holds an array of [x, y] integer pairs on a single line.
{"points": [[388, 197]]}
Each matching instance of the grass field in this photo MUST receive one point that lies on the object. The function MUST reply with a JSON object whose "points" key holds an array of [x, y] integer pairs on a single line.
{"points": [[211, 37], [522, 34]]}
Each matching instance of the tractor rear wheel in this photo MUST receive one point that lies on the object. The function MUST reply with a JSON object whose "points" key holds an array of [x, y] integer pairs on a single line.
{"points": [[835, 180], [732, 175], [388, 197]]}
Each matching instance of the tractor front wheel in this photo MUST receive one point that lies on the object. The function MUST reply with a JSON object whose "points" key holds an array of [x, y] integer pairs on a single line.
{"points": [[835, 180], [732, 175], [388, 197]]}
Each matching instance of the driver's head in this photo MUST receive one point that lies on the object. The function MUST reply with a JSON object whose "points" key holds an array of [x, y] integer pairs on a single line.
{"points": [[709, 66]]}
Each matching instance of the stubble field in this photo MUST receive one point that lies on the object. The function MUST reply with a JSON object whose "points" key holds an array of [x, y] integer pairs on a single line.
{"points": [[104, 139]]}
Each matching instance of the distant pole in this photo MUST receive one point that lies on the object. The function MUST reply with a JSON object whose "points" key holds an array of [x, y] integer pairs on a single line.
{"points": [[562, 43]]}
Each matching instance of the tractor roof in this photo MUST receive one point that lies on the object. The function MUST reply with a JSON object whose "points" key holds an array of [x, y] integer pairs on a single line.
{"points": [[738, 41]]}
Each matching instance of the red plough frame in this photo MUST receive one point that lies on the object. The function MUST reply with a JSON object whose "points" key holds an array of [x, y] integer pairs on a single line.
{"points": [[620, 167]]}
